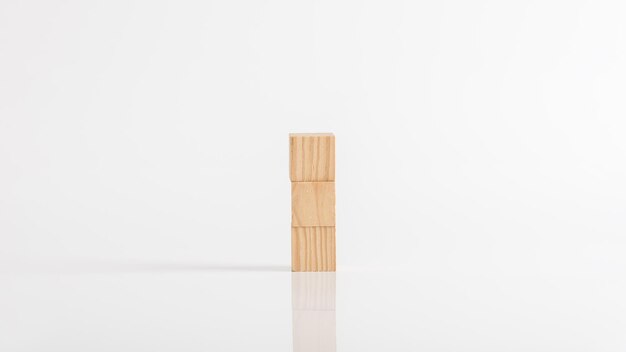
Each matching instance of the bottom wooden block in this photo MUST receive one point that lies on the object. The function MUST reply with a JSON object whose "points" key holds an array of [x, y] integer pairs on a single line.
{"points": [[313, 248]]}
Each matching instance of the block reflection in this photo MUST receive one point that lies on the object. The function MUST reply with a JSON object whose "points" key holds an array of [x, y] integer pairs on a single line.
{"points": [[314, 319]]}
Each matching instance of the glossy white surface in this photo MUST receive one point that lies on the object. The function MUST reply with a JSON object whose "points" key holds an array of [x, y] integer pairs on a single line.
{"points": [[168, 307]]}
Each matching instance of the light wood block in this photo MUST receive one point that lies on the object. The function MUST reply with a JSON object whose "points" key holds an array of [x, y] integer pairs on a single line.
{"points": [[312, 204], [313, 248], [311, 157]]}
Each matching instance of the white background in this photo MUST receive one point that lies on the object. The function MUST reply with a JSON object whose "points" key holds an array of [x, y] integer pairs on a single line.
{"points": [[478, 142]]}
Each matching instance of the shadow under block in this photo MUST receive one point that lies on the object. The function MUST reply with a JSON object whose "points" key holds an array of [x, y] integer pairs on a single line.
{"points": [[312, 204], [311, 157], [313, 248]]}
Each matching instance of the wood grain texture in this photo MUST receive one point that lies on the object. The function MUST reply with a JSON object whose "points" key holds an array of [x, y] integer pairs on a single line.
{"points": [[313, 248], [312, 204], [311, 157]]}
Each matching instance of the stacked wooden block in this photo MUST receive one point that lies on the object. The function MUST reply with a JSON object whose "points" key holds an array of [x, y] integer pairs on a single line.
{"points": [[312, 174]]}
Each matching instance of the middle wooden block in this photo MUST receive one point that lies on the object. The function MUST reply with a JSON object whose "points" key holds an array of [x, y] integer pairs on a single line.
{"points": [[312, 204]]}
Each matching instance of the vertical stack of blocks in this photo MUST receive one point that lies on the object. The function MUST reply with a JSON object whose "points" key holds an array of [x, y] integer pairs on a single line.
{"points": [[312, 174]]}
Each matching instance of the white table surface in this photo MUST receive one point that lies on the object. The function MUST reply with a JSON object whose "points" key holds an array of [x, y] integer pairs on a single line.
{"points": [[151, 306]]}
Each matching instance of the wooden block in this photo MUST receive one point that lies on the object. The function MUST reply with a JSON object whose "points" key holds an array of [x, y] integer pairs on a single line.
{"points": [[312, 173], [312, 204], [312, 157], [313, 248]]}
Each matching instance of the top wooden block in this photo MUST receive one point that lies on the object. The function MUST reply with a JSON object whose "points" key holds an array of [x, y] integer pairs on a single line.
{"points": [[312, 157]]}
